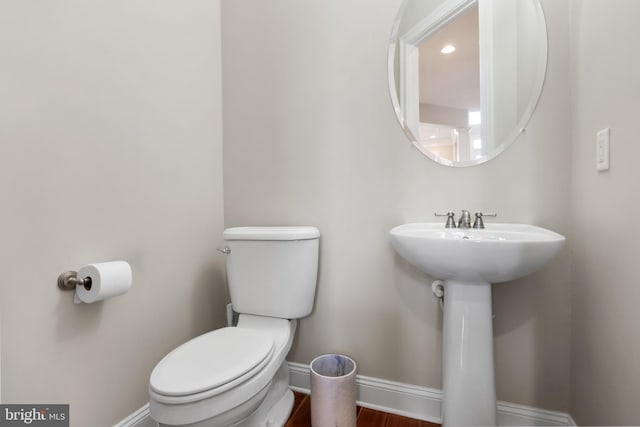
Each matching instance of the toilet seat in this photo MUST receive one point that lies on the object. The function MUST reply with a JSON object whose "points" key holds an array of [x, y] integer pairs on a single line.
{"points": [[233, 399], [211, 364]]}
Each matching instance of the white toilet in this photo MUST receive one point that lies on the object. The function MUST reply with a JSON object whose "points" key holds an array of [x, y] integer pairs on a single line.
{"points": [[237, 376]]}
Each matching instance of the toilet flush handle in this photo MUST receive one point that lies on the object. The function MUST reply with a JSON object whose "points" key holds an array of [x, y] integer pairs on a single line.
{"points": [[226, 250]]}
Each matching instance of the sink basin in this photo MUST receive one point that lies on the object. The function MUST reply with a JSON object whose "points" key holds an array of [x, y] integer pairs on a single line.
{"points": [[468, 261], [498, 253]]}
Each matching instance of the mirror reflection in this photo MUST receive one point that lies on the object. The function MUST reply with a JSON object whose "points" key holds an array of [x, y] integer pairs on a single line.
{"points": [[466, 75], [449, 90]]}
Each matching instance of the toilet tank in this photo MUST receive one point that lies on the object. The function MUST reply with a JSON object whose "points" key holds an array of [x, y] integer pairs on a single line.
{"points": [[272, 271]]}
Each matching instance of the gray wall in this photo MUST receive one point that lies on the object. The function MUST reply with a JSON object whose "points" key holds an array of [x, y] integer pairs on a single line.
{"points": [[110, 148], [311, 138], [605, 209]]}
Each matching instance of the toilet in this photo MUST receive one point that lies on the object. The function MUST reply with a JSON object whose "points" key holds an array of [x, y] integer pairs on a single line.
{"points": [[238, 376]]}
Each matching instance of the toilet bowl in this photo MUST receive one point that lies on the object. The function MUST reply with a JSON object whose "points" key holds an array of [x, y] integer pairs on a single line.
{"points": [[238, 376], [222, 377]]}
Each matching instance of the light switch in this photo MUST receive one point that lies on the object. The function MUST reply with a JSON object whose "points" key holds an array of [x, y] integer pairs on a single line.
{"points": [[602, 150]]}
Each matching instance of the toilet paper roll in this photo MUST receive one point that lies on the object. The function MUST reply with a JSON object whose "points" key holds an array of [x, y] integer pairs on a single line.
{"points": [[108, 279]]}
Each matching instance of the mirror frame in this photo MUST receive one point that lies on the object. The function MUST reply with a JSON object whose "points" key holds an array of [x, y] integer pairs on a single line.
{"points": [[406, 103]]}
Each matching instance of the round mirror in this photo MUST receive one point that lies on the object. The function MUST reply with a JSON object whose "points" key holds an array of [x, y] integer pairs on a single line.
{"points": [[465, 75]]}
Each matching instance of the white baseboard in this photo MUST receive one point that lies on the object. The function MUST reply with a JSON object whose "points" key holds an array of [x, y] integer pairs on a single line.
{"points": [[397, 398], [139, 418], [424, 403]]}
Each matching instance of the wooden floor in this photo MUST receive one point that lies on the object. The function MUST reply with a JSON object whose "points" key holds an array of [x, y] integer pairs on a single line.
{"points": [[301, 416]]}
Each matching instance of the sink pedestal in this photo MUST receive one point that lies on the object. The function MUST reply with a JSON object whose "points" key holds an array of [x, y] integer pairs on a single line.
{"points": [[468, 375]]}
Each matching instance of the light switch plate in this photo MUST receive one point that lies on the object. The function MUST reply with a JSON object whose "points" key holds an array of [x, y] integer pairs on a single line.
{"points": [[602, 149]]}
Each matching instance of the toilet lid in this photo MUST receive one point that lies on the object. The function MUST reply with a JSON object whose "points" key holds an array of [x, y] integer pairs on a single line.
{"points": [[210, 360]]}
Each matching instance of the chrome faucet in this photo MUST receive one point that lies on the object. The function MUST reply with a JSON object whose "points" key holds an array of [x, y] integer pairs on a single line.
{"points": [[465, 219]]}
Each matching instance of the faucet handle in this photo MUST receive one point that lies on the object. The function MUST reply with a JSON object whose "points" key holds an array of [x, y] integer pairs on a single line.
{"points": [[479, 223], [451, 222]]}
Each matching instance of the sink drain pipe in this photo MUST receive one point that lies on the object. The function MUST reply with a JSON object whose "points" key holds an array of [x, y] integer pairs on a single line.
{"points": [[437, 287]]}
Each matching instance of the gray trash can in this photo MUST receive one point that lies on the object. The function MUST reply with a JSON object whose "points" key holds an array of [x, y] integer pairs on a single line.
{"points": [[333, 391]]}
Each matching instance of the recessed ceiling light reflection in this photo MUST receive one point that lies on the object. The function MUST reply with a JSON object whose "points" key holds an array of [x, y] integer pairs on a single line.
{"points": [[448, 49]]}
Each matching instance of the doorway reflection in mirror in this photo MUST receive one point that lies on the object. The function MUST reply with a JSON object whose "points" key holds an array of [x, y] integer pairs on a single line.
{"points": [[449, 89]]}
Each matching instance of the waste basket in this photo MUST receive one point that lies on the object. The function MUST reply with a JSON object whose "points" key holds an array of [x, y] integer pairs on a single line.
{"points": [[333, 391]]}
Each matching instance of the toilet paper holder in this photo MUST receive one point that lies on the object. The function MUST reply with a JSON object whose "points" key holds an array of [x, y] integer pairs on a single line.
{"points": [[68, 281]]}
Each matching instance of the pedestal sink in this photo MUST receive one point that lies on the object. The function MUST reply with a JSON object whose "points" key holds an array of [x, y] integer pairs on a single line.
{"points": [[469, 261]]}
